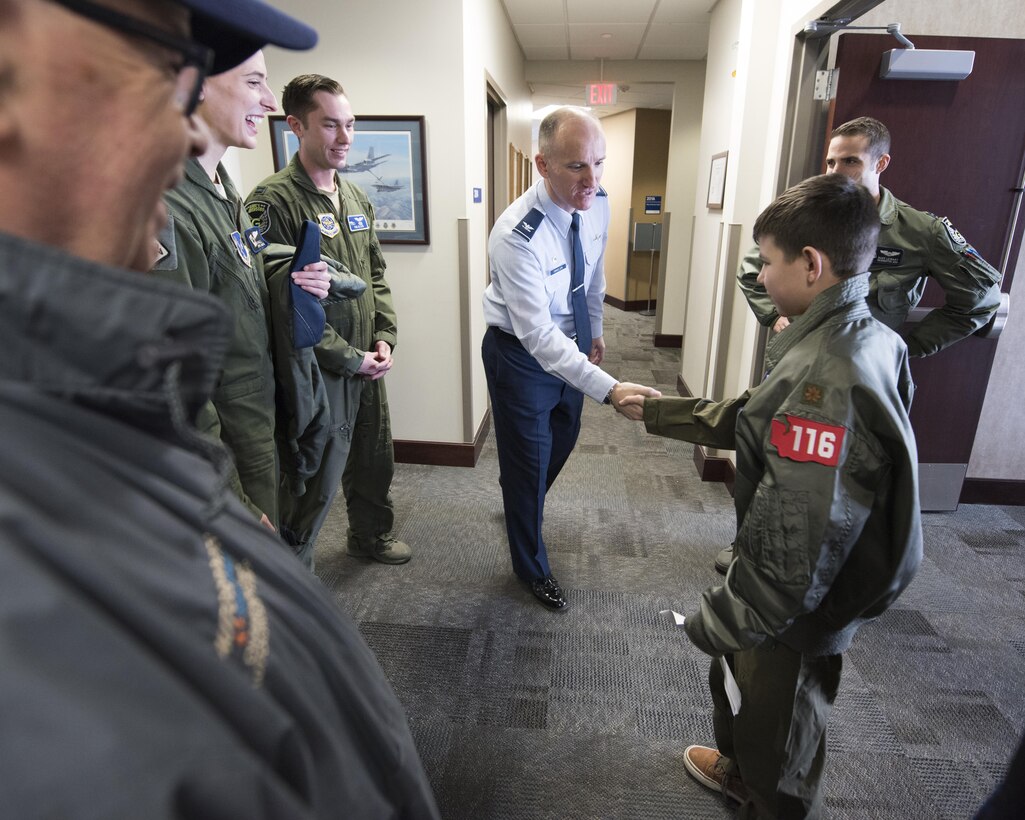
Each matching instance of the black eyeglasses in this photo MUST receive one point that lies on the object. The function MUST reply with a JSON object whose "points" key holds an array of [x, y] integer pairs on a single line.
{"points": [[196, 59]]}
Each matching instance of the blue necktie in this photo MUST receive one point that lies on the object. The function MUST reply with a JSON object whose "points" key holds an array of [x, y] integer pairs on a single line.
{"points": [[576, 284]]}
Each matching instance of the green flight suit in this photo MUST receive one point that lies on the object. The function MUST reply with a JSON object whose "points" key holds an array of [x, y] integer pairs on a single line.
{"points": [[360, 451], [208, 250], [829, 534], [913, 245]]}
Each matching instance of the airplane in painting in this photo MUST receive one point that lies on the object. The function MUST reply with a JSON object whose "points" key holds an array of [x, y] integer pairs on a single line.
{"points": [[383, 187], [368, 164]]}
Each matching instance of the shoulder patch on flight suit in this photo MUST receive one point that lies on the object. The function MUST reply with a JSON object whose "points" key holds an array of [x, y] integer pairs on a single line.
{"points": [[601, 191], [529, 224], [259, 213], [328, 224], [954, 233], [800, 439], [887, 257], [167, 249]]}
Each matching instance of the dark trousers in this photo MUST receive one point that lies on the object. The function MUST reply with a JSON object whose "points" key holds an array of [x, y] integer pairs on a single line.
{"points": [[303, 516], [537, 420], [777, 741]]}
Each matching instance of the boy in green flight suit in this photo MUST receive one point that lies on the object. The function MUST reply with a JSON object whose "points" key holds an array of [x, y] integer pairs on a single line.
{"points": [[826, 496]]}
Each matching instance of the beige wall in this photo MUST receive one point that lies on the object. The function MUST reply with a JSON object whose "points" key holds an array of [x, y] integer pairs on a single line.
{"points": [[436, 389], [620, 138], [650, 166]]}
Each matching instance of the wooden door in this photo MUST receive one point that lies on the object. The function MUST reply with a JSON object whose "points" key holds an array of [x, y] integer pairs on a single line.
{"points": [[958, 149]]}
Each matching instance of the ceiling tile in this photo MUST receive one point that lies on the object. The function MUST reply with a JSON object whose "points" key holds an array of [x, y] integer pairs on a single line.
{"points": [[609, 11], [535, 11], [531, 35]]}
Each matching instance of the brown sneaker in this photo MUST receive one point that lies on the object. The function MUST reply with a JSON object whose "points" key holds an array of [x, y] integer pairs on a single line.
{"points": [[706, 766], [711, 770]]}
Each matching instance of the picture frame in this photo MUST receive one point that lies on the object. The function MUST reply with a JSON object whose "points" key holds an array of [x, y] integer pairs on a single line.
{"points": [[717, 181], [388, 161]]}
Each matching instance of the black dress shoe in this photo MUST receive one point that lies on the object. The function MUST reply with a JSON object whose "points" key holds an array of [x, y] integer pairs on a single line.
{"points": [[548, 592]]}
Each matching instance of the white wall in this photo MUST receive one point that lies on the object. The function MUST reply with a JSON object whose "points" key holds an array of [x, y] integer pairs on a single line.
{"points": [[391, 59], [746, 79], [681, 185]]}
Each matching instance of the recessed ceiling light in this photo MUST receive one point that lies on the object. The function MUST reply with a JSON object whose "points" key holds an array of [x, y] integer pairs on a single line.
{"points": [[606, 36]]}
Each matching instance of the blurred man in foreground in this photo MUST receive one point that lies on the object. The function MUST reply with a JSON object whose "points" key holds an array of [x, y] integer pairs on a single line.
{"points": [[160, 654]]}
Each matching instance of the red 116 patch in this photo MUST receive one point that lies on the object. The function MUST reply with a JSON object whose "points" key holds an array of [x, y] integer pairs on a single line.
{"points": [[807, 440]]}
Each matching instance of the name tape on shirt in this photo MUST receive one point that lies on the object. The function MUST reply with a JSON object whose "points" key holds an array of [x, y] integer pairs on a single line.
{"points": [[887, 257], [554, 271], [807, 440], [357, 222]]}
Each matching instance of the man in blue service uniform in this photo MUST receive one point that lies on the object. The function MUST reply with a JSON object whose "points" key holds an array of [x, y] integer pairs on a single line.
{"points": [[161, 655], [544, 339]]}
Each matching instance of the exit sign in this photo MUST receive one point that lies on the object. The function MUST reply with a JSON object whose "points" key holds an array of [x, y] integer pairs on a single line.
{"points": [[601, 93]]}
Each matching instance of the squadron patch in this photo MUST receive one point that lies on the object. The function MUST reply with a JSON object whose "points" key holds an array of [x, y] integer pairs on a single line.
{"points": [[328, 224], [242, 249], [357, 222], [800, 439], [953, 233], [887, 257], [256, 242], [529, 224], [259, 213]]}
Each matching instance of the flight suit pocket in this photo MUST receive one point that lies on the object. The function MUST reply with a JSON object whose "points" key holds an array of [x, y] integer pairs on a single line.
{"points": [[775, 534], [232, 286], [896, 295]]}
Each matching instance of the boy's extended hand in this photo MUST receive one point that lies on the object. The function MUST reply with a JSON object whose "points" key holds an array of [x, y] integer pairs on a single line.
{"points": [[628, 399]]}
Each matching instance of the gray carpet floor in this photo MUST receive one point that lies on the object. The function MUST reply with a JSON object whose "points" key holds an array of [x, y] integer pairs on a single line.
{"points": [[519, 712]]}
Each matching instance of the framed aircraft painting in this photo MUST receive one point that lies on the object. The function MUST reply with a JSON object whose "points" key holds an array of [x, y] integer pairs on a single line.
{"points": [[387, 160]]}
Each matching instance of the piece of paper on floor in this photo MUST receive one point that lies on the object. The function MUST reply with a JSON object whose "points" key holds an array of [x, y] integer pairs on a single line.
{"points": [[730, 684], [676, 616]]}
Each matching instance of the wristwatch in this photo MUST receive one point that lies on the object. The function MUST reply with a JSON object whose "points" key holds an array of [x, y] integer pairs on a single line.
{"points": [[608, 396]]}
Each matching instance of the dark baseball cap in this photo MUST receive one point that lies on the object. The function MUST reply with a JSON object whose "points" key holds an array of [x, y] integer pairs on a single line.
{"points": [[237, 29]]}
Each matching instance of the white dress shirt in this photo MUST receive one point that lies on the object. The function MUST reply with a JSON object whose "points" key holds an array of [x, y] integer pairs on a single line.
{"points": [[531, 261]]}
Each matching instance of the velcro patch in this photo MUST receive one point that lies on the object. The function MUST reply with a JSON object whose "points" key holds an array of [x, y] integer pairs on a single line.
{"points": [[256, 242], [802, 439]]}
